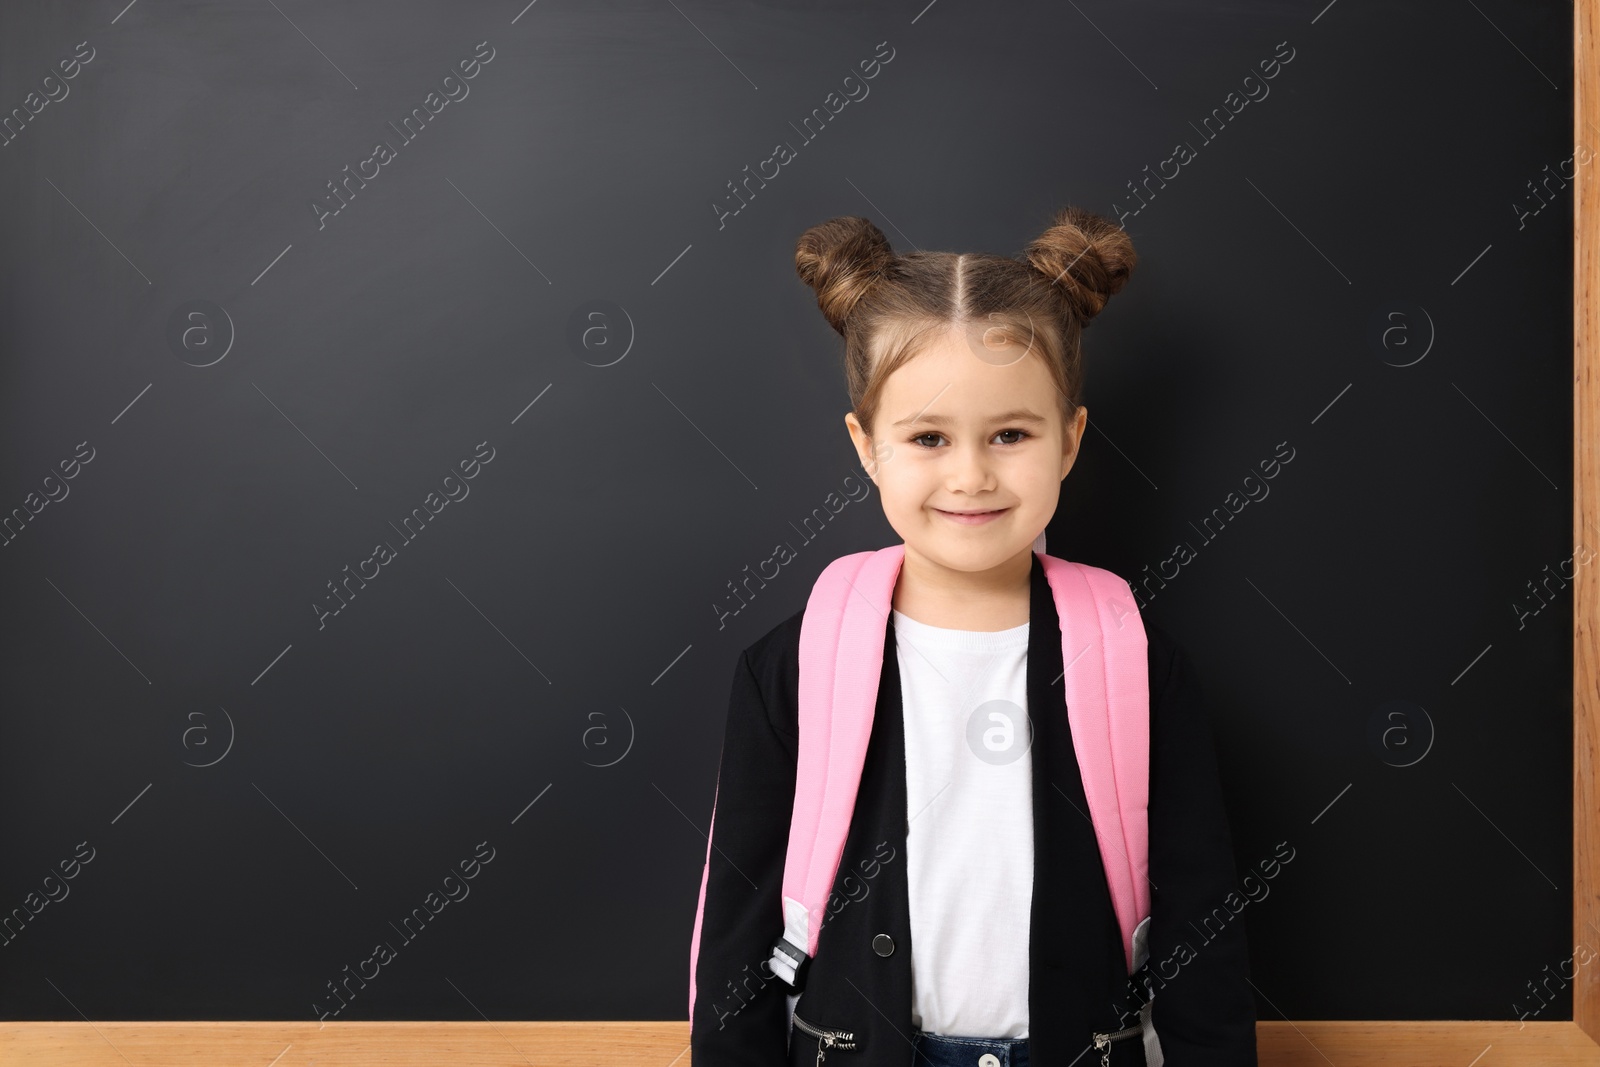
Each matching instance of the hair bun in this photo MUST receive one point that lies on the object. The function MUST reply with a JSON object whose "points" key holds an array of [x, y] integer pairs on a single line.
{"points": [[842, 259], [1084, 255]]}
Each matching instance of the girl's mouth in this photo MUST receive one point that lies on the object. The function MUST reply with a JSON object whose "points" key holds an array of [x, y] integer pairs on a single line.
{"points": [[972, 518]]}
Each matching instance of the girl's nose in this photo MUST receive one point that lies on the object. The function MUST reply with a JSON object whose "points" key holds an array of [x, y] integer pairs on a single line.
{"points": [[970, 470]]}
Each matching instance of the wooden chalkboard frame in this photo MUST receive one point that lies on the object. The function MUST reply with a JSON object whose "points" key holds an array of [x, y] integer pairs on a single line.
{"points": [[1285, 1043]]}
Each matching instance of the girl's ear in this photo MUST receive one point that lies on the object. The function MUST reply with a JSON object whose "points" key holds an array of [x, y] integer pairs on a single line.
{"points": [[863, 445], [1072, 438]]}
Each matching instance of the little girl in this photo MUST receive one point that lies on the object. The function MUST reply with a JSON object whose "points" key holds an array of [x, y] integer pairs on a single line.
{"points": [[971, 920]]}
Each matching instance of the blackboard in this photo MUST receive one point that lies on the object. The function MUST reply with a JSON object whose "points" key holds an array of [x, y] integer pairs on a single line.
{"points": [[398, 399]]}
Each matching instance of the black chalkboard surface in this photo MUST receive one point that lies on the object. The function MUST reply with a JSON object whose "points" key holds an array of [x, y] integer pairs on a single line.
{"points": [[398, 398]]}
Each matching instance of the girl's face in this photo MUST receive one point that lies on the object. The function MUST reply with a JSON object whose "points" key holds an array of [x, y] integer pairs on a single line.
{"points": [[964, 427]]}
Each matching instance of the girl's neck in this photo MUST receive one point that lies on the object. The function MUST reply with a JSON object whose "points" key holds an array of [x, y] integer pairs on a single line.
{"points": [[986, 601]]}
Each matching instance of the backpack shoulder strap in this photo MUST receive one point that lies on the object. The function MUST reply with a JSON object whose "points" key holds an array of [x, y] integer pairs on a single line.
{"points": [[841, 661], [1104, 652], [1107, 681]]}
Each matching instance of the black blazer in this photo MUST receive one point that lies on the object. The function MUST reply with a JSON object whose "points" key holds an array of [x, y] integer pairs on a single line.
{"points": [[1203, 1009]]}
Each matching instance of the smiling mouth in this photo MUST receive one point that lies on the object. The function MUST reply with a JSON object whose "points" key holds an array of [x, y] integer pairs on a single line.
{"points": [[971, 518]]}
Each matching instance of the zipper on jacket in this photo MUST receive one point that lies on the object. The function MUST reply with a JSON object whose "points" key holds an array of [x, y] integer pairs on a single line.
{"points": [[1103, 1042], [826, 1039]]}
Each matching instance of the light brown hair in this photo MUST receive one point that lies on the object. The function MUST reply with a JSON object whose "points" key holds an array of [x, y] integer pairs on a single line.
{"points": [[887, 306]]}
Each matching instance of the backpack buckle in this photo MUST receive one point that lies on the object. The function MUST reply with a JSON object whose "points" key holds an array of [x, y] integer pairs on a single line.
{"points": [[790, 963]]}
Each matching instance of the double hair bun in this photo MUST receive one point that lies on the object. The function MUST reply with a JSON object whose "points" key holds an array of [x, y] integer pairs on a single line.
{"points": [[1085, 256]]}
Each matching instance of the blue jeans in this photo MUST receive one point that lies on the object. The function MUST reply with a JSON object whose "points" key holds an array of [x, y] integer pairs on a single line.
{"points": [[944, 1050]]}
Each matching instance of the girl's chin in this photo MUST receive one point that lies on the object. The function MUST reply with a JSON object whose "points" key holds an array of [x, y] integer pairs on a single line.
{"points": [[966, 550]]}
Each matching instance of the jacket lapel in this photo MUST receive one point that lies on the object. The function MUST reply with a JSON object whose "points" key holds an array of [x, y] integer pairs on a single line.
{"points": [[1075, 956]]}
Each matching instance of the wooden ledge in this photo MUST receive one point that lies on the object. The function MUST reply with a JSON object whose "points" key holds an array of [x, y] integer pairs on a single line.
{"points": [[1466, 1043]]}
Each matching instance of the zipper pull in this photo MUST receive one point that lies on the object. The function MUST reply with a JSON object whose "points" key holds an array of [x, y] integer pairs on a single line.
{"points": [[1103, 1043], [823, 1044]]}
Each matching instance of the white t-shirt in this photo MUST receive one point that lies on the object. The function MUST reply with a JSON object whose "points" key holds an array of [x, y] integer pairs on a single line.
{"points": [[969, 842]]}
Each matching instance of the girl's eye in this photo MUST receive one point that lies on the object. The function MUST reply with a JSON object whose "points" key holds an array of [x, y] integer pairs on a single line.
{"points": [[1021, 435]]}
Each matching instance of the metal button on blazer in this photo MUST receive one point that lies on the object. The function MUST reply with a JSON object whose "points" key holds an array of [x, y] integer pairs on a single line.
{"points": [[883, 944]]}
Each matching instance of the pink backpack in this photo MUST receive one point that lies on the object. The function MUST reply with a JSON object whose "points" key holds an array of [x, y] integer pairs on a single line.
{"points": [[1103, 648]]}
